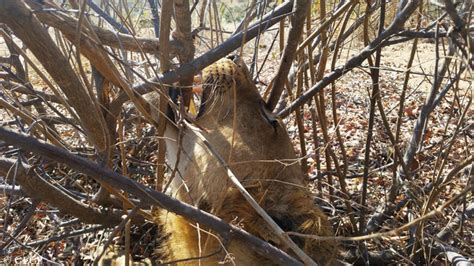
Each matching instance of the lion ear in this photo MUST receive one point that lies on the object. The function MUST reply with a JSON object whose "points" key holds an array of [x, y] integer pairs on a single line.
{"points": [[268, 116]]}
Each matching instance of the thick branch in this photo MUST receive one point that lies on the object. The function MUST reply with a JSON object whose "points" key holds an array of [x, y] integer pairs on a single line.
{"points": [[451, 10], [183, 35], [165, 65], [289, 53], [445, 234]]}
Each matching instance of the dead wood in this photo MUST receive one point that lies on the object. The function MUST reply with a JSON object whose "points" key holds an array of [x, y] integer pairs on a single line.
{"points": [[38, 188], [192, 68], [20, 88], [27, 27], [183, 34], [297, 22], [67, 25], [146, 195], [394, 119], [355, 61]]}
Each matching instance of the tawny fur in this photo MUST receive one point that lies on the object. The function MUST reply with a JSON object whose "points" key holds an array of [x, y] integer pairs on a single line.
{"points": [[258, 150]]}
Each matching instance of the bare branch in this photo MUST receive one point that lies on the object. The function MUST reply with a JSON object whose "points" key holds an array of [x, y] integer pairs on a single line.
{"points": [[297, 22], [192, 68], [36, 187], [26, 27], [183, 35], [147, 195], [395, 26], [67, 25]]}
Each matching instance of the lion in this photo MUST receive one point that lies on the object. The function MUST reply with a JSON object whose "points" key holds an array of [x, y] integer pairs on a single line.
{"points": [[256, 146]]}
